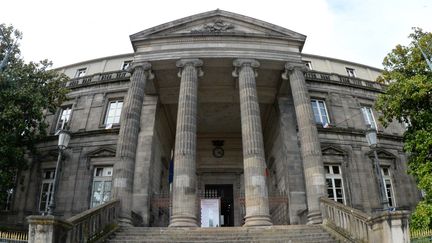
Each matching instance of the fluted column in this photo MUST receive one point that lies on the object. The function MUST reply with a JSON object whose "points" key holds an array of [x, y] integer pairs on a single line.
{"points": [[128, 138], [256, 195], [184, 208], [310, 145]]}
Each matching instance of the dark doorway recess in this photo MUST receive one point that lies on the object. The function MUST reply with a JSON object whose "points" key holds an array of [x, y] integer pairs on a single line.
{"points": [[225, 192]]}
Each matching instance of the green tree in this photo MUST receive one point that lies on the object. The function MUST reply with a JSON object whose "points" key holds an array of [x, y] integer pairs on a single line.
{"points": [[27, 92], [408, 99]]}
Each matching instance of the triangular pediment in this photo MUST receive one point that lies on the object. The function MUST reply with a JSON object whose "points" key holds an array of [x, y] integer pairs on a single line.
{"points": [[382, 154], [102, 152], [217, 22], [332, 150]]}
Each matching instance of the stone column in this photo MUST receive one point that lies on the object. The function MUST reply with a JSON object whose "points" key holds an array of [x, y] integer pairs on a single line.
{"points": [[256, 195], [184, 208], [128, 138], [313, 167]]}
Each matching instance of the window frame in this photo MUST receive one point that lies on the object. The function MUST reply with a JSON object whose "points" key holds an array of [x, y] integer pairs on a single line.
{"points": [[109, 97], [80, 72], [389, 178], [367, 118], [57, 126], [125, 65], [107, 112], [351, 72], [49, 192], [317, 101], [103, 179], [333, 177], [308, 64]]}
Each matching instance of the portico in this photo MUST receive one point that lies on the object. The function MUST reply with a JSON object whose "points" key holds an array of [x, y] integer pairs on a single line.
{"points": [[208, 91]]}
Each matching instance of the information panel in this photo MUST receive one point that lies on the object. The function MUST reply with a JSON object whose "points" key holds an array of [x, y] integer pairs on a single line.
{"points": [[210, 212]]}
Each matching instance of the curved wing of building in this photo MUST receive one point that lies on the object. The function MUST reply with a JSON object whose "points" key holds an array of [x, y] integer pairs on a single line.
{"points": [[218, 106]]}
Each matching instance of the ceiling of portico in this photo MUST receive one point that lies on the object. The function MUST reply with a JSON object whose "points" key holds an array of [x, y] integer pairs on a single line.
{"points": [[218, 93]]}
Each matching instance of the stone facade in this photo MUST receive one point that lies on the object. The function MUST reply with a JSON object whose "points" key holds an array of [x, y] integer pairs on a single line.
{"points": [[239, 120]]}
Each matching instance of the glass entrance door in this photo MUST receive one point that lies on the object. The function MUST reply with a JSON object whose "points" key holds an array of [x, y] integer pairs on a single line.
{"points": [[225, 193]]}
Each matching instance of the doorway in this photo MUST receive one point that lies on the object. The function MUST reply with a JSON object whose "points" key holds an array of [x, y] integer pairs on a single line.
{"points": [[225, 193]]}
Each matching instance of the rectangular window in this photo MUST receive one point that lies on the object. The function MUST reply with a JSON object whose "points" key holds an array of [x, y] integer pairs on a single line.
{"points": [[369, 117], [80, 72], [388, 186], [308, 65], [8, 202], [125, 65], [113, 112], [407, 123], [46, 190], [64, 118], [335, 189], [351, 72], [101, 189], [320, 112]]}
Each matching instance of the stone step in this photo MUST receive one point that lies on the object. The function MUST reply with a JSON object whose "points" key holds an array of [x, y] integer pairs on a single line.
{"points": [[223, 241], [222, 236], [274, 227], [286, 233], [221, 232]]}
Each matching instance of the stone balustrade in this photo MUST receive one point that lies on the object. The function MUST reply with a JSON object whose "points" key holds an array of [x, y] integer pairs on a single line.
{"points": [[356, 226], [94, 223], [343, 80], [310, 75], [98, 78], [88, 226]]}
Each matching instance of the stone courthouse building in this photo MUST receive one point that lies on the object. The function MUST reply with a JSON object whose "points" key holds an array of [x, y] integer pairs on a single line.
{"points": [[217, 105]]}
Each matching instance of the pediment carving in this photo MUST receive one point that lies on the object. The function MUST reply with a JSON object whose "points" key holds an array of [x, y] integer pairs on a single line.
{"points": [[217, 26], [102, 152]]}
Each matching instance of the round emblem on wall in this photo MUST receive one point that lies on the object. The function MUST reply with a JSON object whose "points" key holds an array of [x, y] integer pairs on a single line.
{"points": [[218, 152]]}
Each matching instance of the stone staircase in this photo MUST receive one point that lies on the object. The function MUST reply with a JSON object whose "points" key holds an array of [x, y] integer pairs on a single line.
{"points": [[274, 234]]}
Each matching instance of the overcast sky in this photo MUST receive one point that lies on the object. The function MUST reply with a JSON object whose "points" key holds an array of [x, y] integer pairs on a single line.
{"points": [[66, 32]]}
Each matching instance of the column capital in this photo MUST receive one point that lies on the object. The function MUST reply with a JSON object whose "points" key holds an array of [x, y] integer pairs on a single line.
{"points": [[194, 62], [242, 62], [291, 67], [142, 66]]}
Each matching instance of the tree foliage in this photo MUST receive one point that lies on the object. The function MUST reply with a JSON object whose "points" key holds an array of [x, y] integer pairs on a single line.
{"points": [[27, 92], [408, 99]]}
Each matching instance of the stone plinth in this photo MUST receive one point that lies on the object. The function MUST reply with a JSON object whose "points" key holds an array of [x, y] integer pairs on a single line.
{"points": [[47, 229]]}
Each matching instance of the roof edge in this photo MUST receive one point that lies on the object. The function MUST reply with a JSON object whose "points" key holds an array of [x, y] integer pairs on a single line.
{"points": [[343, 60]]}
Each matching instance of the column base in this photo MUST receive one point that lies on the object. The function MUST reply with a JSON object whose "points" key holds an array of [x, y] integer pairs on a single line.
{"points": [[314, 217], [183, 221], [258, 220]]}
